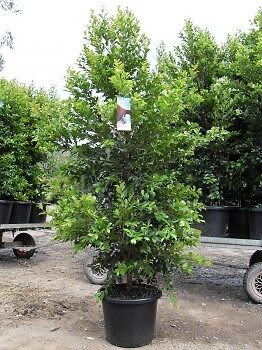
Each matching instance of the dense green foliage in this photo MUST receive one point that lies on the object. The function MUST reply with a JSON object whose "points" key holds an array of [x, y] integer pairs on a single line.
{"points": [[242, 101], [228, 79], [23, 112], [123, 192]]}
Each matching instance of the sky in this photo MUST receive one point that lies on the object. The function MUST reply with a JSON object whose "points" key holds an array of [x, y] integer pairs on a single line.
{"points": [[48, 34]]}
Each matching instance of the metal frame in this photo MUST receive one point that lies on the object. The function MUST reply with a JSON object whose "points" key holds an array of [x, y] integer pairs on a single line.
{"points": [[14, 227], [251, 244], [233, 242], [18, 227]]}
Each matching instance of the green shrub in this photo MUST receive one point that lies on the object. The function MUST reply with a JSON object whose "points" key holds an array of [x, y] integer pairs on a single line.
{"points": [[21, 153], [123, 192]]}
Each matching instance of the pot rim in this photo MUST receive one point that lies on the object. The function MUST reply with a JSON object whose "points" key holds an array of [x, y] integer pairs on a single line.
{"points": [[254, 209], [42, 203], [237, 209], [151, 299], [216, 207], [22, 202]]}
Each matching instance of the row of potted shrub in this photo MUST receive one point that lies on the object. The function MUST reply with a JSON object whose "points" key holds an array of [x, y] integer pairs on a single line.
{"points": [[18, 212], [232, 222]]}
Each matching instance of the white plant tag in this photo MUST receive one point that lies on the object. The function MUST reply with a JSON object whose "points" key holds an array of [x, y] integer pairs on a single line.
{"points": [[123, 114]]}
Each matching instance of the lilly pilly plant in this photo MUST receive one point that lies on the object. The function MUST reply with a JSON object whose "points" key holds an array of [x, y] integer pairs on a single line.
{"points": [[21, 153], [124, 194]]}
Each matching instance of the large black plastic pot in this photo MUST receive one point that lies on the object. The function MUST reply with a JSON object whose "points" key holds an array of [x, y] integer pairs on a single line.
{"points": [[5, 211], [37, 215], [130, 323], [255, 222], [238, 226], [216, 221], [20, 213]]}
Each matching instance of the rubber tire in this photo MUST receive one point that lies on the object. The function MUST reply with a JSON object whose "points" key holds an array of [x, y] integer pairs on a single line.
{"points": [[27, 240], [249, 278], [256, 257], [89, 273]]}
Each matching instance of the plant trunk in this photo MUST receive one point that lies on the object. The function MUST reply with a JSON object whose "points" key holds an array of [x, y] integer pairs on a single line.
{"points": [[129, 280]]}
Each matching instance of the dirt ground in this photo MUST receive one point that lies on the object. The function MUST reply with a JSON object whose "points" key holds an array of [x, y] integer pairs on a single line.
{"points": [[46, 303]]}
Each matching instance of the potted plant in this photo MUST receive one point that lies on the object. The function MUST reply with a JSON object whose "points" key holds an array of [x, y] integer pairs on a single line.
{"points": [[5, 211], [199, 52], [230, 99], [136, 244], [215, 215], [244, 110], [255, 222], [122, 192], [22, 111], [20, 213]]}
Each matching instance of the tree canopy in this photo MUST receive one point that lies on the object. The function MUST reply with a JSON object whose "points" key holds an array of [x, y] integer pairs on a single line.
{"points": [[228, 79], [127, 187]]}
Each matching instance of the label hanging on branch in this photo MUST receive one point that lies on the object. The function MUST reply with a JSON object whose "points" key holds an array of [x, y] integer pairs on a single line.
{"points": [[123, 114]]}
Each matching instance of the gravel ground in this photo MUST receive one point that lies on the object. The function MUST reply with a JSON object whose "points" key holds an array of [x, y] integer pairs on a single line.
{"points": [[46, 303]]}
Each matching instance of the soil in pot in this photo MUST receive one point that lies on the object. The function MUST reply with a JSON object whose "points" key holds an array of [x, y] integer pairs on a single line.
{"points": [[216, 221], [37, 214], [238, 223], [20, 213], [130, 316], [255, 223], [5, 211]]}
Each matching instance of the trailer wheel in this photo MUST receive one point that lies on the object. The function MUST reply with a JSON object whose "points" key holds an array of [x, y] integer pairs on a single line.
{"points": [[253, 282], [256, 257], [93, 272], [27, 241]]}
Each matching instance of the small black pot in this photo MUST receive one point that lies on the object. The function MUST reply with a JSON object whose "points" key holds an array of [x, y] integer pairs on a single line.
{"points": [[216, 221], [5, 211], [37, 215], [20, 213], [130, 323], [238, 226], [255, 223]]}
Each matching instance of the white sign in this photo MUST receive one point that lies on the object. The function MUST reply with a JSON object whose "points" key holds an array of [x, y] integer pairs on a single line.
{"points": [[123, 114]]}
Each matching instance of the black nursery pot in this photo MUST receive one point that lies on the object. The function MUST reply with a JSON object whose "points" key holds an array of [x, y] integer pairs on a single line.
{"points": [[37, 215], [5, 211], [238, 226], [255, 223], [130, 323], [20, 213], [216, 221]]}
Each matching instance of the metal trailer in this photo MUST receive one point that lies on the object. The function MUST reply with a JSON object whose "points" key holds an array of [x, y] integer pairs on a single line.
{"points": [[252, 279], [23, 245]]}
